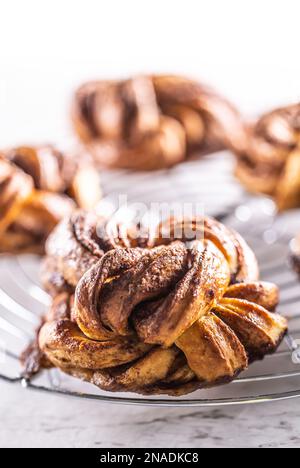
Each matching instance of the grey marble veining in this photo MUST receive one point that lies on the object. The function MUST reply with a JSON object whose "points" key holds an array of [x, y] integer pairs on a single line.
{"points": [[32, 419]]}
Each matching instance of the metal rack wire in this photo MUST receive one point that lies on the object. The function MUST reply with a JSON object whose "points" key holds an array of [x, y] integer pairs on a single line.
{"points": [[277, 377]]}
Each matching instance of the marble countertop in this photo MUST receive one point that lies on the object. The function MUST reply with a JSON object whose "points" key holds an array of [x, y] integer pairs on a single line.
{"points": [[32, 419]]}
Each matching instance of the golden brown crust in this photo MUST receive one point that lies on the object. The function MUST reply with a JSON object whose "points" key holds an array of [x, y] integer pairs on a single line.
{"points": [[212, 350], [261, 293], [271, 162], [81, 240], [36, 184], [67, 346], [259, 330], [153, 122], [168, 318]]}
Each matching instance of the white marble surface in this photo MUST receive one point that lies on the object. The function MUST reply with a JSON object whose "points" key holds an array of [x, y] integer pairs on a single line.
{"points": [[32, 419]]}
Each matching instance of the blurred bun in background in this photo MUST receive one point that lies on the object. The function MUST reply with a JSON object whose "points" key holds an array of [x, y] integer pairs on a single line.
{"points": [[271, 163], [40, 186], [153, 122]]}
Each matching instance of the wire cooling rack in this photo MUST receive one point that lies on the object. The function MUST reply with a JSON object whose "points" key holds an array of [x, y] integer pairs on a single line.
{"points": [[209, 181]]}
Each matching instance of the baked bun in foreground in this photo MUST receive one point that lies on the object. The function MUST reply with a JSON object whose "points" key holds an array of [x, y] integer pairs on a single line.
{"points": [[167, 314]]}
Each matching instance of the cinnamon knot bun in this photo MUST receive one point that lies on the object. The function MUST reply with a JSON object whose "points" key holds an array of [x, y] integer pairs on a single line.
{"points": [[271, 163], [186, 311], [153, 122], [39, 186]]}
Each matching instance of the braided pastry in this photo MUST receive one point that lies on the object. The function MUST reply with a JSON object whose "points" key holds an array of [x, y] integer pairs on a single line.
{"points": [[153, 122], [185, 312], [36, 186], [271, 164]]}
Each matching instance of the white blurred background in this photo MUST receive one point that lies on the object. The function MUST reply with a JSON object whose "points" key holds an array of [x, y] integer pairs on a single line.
{"points": [[249, 50]]}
